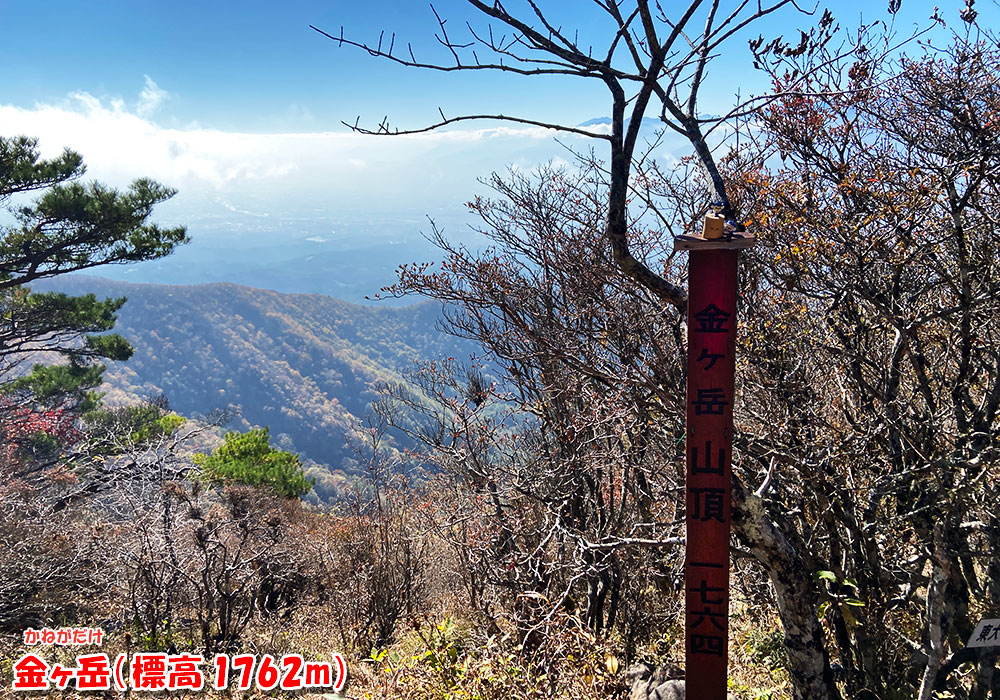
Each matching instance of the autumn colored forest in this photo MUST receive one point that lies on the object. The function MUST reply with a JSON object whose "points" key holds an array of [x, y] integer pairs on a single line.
{"points": [[482, 496]]}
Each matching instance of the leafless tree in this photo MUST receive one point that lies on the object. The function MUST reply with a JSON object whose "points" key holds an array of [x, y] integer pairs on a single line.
{"points": [[561, 453], [380, 556], [652, 61]]}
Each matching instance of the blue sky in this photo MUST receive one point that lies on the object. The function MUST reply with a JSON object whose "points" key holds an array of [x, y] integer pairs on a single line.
{"points": [[239, 105], [239, 66], [256, 66]]}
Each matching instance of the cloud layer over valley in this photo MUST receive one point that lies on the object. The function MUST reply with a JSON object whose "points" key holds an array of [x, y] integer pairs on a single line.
{"points": [[275, 194]]}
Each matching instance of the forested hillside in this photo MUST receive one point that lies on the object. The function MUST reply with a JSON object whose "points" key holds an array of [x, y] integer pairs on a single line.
{"points": [[304, 365]]}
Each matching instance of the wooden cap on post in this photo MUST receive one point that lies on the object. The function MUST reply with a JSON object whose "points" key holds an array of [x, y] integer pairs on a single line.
{"points": [[733, 240], [715, 236], [708, 240]]}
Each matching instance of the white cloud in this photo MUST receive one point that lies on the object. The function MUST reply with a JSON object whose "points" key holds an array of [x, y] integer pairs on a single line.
{"points": [[151, 98], [318, 174]]}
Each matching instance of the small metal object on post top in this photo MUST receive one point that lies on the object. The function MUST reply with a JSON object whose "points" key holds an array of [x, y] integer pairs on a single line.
{"points": [[711, 370], [715, 227]]}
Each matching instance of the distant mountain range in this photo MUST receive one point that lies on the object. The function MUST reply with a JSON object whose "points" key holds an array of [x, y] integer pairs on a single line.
{"points": [[647, 122], [303, 364], [293, 265]]}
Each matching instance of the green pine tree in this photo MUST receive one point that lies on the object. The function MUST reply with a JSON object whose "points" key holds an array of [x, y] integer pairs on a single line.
{"points": [[249, 458], [69, 226]]}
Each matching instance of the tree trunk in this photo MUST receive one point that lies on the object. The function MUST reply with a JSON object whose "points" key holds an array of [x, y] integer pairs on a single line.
{"points": [[778, 548], [936, 614]]}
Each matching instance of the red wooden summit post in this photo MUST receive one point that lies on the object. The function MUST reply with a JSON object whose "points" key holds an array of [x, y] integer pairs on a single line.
{"points": [[712, 280]]}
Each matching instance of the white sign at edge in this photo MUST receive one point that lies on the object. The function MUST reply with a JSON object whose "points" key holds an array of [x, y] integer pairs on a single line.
{"points": [[986, 634]]}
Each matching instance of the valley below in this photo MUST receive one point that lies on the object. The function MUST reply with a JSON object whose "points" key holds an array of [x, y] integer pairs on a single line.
{"points": [[304, 365]]}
